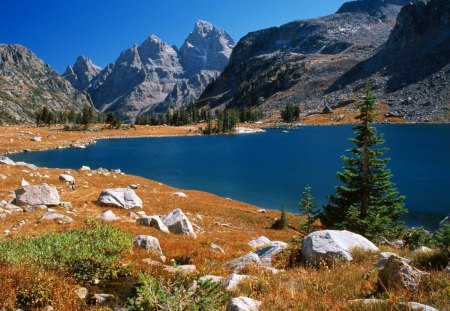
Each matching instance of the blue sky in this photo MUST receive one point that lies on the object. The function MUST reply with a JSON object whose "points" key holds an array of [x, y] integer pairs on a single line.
{"points": [[60, 30]]}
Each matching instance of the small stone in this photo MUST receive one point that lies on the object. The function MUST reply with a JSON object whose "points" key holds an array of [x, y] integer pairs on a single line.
{"points": [[398, 274], [102, 298], [232, 282], [132, 215], [217, 248], [178, 223], [239, 263], [36, 138], [260, 242], [85, 168], [120, 197], [66, 205], [107, 216], [151, 244], [179, 194], [153, 221], [261, 211], [67, 178], [134, 186], [81, 292], [243, 304], [151, 262], [24, 183], [60, 218], [183, 269]]}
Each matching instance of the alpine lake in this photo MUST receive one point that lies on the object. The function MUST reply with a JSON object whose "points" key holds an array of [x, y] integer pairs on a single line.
{"points": [[272, 168]]}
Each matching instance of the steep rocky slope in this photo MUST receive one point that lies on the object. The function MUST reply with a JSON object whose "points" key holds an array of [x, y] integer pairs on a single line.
{"points": [[154, 76], [81, 73], [412, 69], [325, 61], [27, 85]]}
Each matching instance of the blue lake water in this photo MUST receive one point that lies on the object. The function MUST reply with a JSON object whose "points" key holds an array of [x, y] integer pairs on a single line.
{"points": [[272, 168]]}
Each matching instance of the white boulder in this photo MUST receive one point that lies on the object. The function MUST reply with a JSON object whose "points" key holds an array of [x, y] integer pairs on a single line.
{"points": [[232, 282], [178, 223], [107, 216], [153, 221], [239, 263], [243, 304], [67, 178], [333, 245], [151, 244], [259, 242], [6, 161], [37, 195], [120, 197], [57, 217]]}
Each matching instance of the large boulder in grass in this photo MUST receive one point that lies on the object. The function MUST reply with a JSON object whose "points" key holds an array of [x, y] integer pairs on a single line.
{"points": [[37, 195], [153, 221], [239, 263], [330, 245], [178, 223], [119, 197], [396, 273], [243, 304], [151, 244]]}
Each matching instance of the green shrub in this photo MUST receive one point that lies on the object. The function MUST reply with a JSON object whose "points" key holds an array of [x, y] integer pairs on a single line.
{"points": [[442, 238], [176, 294], [282, 222], [430, 260], [416, 237], [93, 252]]}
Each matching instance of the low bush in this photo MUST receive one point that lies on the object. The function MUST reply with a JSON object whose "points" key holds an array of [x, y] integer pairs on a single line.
{"points": [[416, 237], [93, 252], [430, 260], [176, 294]]}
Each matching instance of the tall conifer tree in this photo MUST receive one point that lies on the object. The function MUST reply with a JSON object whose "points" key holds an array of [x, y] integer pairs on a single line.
{"points": [[367, 202]]}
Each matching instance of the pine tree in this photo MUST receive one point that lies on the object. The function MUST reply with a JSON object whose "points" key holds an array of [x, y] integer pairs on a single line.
{"points": [[308, 208], [368, 202], [281, 222]]}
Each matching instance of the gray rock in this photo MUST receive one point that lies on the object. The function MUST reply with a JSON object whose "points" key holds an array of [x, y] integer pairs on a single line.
{"points": [[132, 215], [37, 195], [232, 282], [67, 178], [384, 258], [85, 168], [182, 269], [57, 217], [6, 161], [81, 292], [66, 205], [398, 274], [217, 248], [179, 194], [107, 216], [178, 223], [243, 304], [36, 138], [151, 244], [333, 245], [266, 254], [260, 242], [211, 278], [120, 197], [239, 263], [153, 221], [102, 298]]}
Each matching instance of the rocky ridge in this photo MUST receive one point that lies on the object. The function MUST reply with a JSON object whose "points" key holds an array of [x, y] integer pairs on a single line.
{"points": [[156, 76], [326, 61], [27, 85]]}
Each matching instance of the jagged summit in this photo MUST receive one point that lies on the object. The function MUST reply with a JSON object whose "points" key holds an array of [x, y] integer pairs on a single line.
{"points": [[81, 73]]}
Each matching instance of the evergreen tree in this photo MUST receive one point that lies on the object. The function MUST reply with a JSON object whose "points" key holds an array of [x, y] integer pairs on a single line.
{"points": [[72, 117], [308, 208], [88, 115], [368, 202]]}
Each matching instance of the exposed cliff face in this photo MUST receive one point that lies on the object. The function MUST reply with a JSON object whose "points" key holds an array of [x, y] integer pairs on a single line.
{"points": [[266, 64], [81, 73], [325, 61], [27, 85], [412, 69], [154, 76], [206, 48]]}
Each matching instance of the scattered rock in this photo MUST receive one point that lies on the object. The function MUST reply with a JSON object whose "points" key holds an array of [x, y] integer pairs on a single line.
{"points": [[398, 274], [232, 282], [24, 183], [13, 208], [217, 248], [211, 278], [6, 161], [134, 186], [67, 178], [120, 197], [37, 195], [151, 244], [183, 269], [36, 138], [101, 298], [153, 221], [85, 168], [66, 205], [107, 216], [266, 254], [3, 177], [243, 304], [151, 262], [178, 223], [385, 256], [239, 263], [260, 242], [332, 245], [81, 292], [19, 224], [261, 211], [179, 194], [132, 215], [60, 218]]}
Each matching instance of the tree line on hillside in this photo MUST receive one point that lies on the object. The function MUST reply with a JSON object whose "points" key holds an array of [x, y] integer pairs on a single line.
{"points": [[85, 118]]}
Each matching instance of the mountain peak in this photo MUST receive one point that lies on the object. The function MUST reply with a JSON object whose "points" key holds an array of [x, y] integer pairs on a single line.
{"points": [[206, 48], [81, 73]]}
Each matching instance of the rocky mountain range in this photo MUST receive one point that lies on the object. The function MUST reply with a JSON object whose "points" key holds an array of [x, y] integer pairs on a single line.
{"points": [[155, 76], [326, 61], [27, 85]]}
